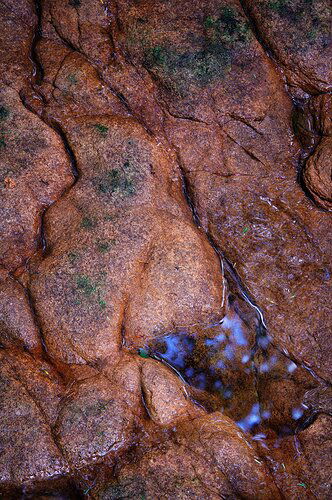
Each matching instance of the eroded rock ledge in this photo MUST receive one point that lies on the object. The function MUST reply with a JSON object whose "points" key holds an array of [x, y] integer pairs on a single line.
{"points": [[165, 184]]}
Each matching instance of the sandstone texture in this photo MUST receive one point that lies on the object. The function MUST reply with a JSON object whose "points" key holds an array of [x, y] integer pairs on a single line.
{"points": [[165, 249]]}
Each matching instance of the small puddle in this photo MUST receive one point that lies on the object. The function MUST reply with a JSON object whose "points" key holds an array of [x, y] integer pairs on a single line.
{"points": [[232, 367]]}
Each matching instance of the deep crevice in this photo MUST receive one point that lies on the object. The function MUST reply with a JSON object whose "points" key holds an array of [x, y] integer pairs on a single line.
{"points": [[70, 153], [231, 274], [304, 154], [271, 54], [186, 189], [225, 264], [41, 410], [254, 28], [36, 80], [38, 73], [55, 126]]}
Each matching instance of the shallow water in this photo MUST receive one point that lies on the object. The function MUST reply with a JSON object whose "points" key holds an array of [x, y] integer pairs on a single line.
{"points": [[233, 360]]}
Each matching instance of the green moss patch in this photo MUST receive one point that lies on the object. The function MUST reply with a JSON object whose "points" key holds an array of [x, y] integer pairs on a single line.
{"points": [[117, 180], [90, 290], [85, 285], [88, 222], [309, 21], [4, 113], [104, 246], [101, 129], [223, 35], [73, 257], [110, 218], [3, 142], [102, 303], [72, 79]]}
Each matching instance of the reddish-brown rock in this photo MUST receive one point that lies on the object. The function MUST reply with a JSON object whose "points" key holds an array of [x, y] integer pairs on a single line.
{"points": [[95, 419], [34, 172], [207, 458], [166, 398], [164, 315], [124, 275], [17, 325], [298, 34], [18, 22], [318, 174], [29, 400], [316, 446]]}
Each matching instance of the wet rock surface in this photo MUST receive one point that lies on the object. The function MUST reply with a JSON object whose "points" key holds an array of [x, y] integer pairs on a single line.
{"points": [[165, 184], [179, 467], [315, 134], [298, 34]]}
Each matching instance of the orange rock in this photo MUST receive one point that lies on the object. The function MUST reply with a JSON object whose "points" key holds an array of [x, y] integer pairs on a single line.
{"points": [[151, 214]]}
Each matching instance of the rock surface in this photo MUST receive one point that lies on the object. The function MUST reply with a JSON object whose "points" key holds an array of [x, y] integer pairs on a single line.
{"points": [[179, 468], [165, 259], [298, 34], [317, 173]]}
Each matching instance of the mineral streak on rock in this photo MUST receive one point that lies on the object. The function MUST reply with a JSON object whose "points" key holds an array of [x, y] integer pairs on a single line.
{"points": [[165, 258]]}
